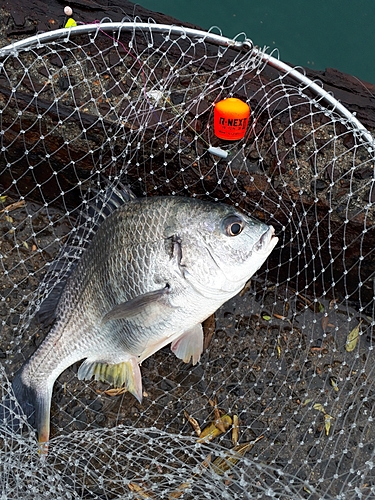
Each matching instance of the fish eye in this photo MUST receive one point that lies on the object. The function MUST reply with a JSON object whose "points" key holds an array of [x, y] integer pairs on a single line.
{"points": [[233, 225]]}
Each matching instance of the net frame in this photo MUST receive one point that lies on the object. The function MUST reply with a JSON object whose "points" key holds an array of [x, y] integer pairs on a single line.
{"points": [[117, 27]]}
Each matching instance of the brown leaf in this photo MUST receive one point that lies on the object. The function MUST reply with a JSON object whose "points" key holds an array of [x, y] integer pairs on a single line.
{"points": [[13, 206], [325, 323], [140, 492], [235, 430], [194, 423], [222, 465], [208, 331]]}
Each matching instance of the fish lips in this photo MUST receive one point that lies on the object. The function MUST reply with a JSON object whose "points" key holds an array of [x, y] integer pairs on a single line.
{"points": [[267, 241]]}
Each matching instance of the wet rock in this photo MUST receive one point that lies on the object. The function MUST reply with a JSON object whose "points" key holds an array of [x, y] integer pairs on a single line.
{"points": [[177, 98], [318, 185], [18, 18], [364, 172], [167, 385], [65, 82], [57, 61]]}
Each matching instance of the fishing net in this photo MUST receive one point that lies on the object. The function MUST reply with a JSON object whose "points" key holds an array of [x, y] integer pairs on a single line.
{"points": [[286, 384]]}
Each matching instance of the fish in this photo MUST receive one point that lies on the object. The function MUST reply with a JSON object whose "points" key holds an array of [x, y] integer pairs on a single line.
{"points": [[154, 270]]}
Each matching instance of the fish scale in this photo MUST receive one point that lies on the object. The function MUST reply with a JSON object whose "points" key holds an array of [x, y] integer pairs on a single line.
{"points": [[154, 270]]}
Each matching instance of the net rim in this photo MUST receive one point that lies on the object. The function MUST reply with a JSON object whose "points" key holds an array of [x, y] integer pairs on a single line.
{"points": [[214, 38]]}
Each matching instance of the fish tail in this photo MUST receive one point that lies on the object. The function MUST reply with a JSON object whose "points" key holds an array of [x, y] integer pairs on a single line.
{"points": [[42, 420], [26, 405], [15, 407], [23, 395]]}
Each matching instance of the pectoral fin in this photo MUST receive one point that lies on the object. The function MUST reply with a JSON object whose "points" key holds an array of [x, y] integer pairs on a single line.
{"points": [[127, 374], [189, 345], [137, 305]]}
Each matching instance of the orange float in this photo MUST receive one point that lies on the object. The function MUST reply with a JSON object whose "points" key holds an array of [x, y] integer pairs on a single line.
{"points": [[231, 118]]}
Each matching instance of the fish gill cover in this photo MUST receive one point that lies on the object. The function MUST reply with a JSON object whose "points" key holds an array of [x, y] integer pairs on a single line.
{"points": [[281, 404]]}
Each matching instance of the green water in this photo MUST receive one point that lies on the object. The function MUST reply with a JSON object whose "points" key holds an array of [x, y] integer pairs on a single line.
{"points": [[318, 34]]}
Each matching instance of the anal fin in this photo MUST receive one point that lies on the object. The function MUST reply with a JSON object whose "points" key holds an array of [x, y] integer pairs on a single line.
{"points": [[126, 373], [189, 346]]}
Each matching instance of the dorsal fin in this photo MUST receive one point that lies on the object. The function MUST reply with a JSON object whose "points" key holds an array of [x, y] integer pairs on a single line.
{"points": [[98, 205]]}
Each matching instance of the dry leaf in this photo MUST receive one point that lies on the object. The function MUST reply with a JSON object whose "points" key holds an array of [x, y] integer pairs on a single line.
{"points": [[334, 383], [278, 348], [327, 417], [245, 289], [139, 491], [279, 316], [235, 430], [319, 407], [352, 339], [113, 392], [325, 323], [327, 423], [194, 423], [211, 431], [222, 465], [208, 331], [179, 492], [13, 206]]}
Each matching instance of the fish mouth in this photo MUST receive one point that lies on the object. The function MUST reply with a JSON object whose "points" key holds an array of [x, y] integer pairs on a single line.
{"points": [[267, 241]]}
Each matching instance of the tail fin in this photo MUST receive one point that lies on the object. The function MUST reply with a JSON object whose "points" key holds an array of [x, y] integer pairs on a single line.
{"points": [[24, 397], [16, 409], [24, 406]]}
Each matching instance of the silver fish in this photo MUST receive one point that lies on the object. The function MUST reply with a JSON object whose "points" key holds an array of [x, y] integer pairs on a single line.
{"points": [[155, 269]]}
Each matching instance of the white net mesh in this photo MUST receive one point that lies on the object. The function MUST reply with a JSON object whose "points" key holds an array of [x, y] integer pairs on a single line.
{"points": [[291, 356]]}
